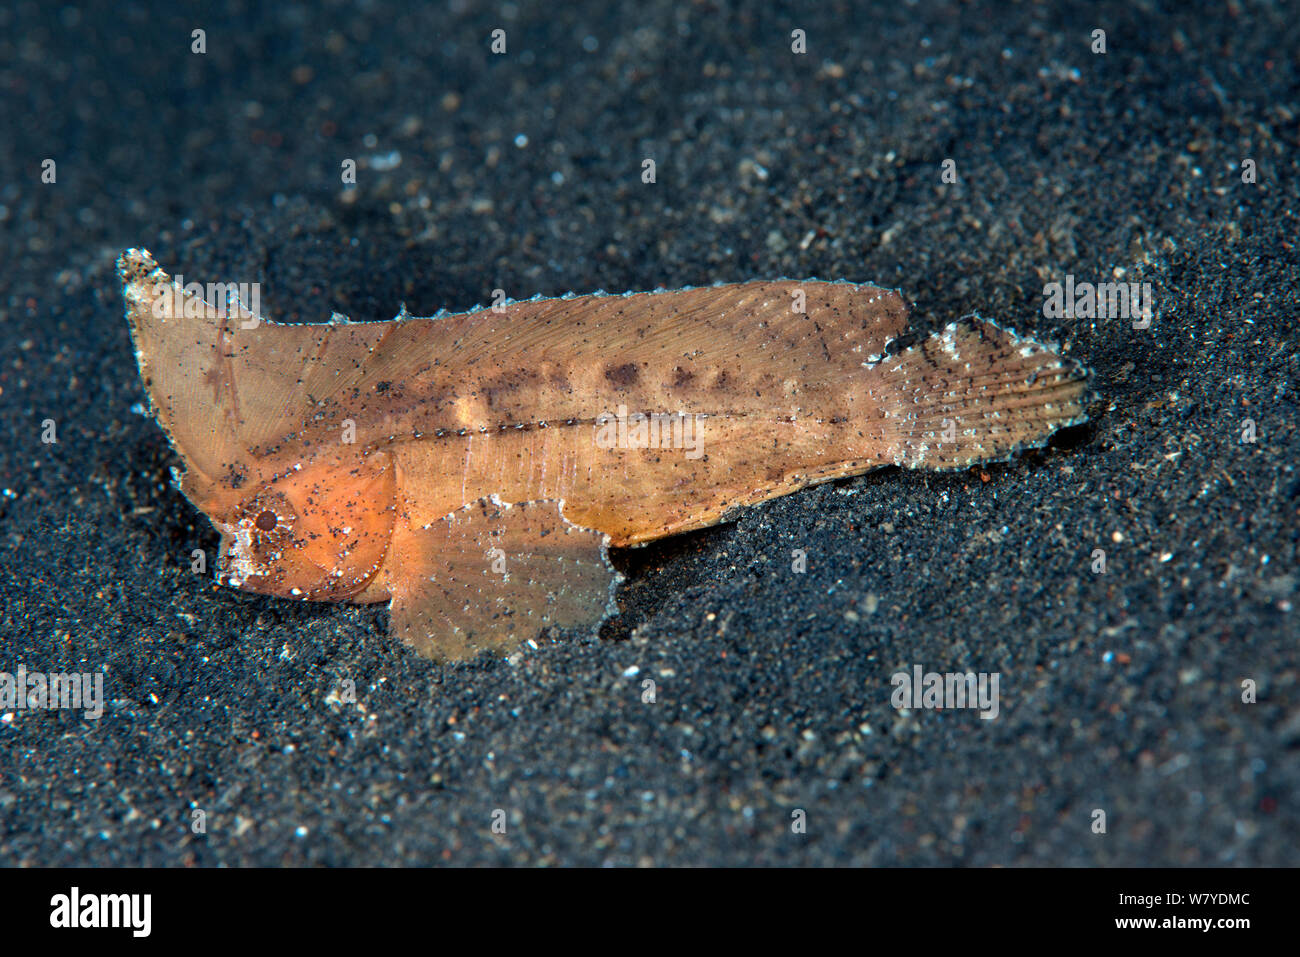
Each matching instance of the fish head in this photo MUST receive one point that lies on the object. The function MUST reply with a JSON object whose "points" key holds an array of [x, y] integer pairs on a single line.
{"points": [[302, 512], [317, 534]]}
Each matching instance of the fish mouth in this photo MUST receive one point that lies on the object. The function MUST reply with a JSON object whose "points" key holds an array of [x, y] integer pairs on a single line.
{"points": [[236, 566]]}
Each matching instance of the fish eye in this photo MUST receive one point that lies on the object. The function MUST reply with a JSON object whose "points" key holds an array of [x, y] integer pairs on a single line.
{"points": [[269, 518]]}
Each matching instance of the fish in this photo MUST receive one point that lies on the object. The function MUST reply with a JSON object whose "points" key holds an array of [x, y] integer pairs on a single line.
{"points": [[474, 469]]}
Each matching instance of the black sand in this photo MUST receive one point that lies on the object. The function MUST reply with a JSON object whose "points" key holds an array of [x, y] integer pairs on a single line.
{"points": [[1120, 691]]}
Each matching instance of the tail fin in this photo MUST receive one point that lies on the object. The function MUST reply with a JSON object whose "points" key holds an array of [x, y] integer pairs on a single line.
{"points": [[977, 393]]}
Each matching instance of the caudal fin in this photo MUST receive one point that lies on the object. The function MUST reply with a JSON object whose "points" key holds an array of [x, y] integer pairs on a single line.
{"points": [[977, 393]]}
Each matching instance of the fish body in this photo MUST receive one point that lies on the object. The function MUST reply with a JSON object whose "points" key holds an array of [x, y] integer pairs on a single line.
{"points": [[472, 469]]}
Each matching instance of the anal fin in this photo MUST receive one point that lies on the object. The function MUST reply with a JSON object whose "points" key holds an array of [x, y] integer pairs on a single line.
{"points": [[492, 575]]}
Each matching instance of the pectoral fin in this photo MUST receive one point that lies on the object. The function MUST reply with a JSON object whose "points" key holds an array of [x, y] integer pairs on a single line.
{"points": [[492, 575]]}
